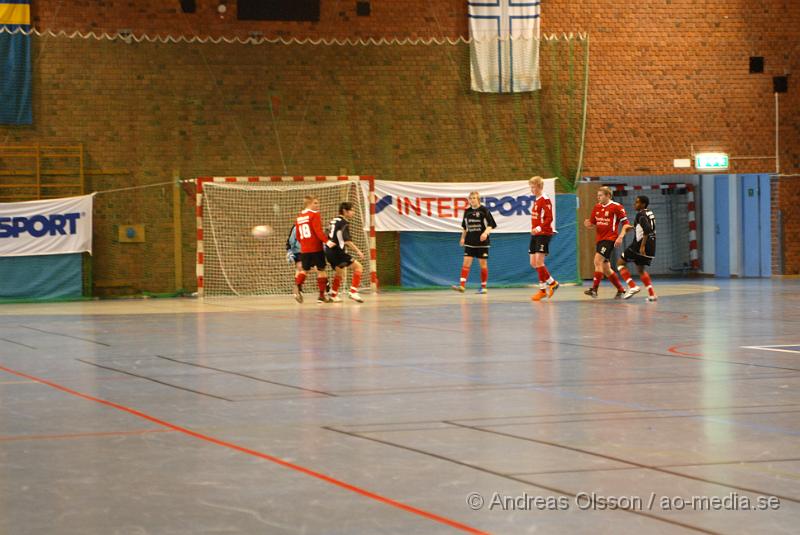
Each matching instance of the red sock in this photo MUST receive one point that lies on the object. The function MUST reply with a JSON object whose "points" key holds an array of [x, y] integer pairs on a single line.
{"points": [[321, 283], [649, 283], [337, 281], [356, 281], [300, 278], [464, 275], [596, 280], [543, 274], [615, 281], [484, 276], [626, 276]]}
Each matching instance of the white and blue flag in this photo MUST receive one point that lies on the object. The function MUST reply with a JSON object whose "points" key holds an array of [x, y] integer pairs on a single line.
{"points": [[504, 49]]}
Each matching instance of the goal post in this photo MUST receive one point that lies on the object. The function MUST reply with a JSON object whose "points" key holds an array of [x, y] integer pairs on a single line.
{"points": [[676, 223], [231, 262]]}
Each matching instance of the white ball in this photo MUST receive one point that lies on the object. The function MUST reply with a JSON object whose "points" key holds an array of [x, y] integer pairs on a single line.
{"points": [[261, 231]]}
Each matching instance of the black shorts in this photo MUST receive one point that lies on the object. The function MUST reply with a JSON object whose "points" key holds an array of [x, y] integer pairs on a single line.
{"points": [[338, 258], [605, 248], [310, 260], [540, 244], [476, 252], [632, 254], [296, 257]]}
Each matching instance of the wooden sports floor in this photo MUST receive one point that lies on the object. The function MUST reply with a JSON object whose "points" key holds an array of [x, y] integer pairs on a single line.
{"points": [[414, 413]]}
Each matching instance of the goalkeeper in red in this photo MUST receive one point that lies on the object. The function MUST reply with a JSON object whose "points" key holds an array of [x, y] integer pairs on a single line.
{"points": [[312, 257], [541, 233], [611, 223]]}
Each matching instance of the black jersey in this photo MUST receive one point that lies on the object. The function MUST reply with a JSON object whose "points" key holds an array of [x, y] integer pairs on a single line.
{"points": [[339, 232], [475, 221], [644, 224]]}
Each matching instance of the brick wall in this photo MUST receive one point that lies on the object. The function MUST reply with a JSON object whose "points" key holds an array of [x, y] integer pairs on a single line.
{"points": [[788, 201], [665, 76]]}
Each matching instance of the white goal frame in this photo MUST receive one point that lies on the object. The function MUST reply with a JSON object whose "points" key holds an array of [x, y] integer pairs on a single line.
{"points": [[359, 179]]}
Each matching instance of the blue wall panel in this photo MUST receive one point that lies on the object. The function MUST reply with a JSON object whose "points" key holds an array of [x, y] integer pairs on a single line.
{"points": [[765, 215], [748, 231], [41, 277], [434, 258], [722, 245]]}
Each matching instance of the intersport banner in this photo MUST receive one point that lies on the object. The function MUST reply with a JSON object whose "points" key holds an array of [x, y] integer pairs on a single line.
{"points": [[439, 207], [57, 226]]}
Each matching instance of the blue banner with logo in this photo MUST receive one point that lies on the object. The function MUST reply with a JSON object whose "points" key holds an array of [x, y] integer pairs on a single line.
{"points": [[15, 62]]}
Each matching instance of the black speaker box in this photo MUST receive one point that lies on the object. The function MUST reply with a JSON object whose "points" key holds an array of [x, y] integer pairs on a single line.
{"points": [[756, 64], [363, 9], [780, 84], [188, 6]]}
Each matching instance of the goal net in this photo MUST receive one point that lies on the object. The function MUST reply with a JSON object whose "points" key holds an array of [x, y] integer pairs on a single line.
{"points": [[231, 262], [676, 240]]}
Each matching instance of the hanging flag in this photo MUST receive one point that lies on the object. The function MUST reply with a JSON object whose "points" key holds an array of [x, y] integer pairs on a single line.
{"points": [[504, 45], [15, 62]]}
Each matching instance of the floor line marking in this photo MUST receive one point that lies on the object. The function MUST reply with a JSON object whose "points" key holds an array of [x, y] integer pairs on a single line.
{"points": [[246, 376], [506, 476], [775, 348], [146, 378], [620, 460], [66, 336], [230, 445], [12, 438]]}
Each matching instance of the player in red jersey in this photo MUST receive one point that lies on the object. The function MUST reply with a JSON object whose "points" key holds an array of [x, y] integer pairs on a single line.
{"points": [[611, 223], [541, 232], [312, 257]]}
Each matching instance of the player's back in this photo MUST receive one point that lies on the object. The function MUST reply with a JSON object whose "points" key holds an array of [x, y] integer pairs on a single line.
{"points": [[339, 231], [306, 223], [645, 224]]}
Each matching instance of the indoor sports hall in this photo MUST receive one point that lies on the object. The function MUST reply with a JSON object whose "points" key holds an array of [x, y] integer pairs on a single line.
{"points": [[403, 267]]}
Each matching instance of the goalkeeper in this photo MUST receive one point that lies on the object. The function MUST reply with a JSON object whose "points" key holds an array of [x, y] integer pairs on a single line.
{"points": [[293, 253]]}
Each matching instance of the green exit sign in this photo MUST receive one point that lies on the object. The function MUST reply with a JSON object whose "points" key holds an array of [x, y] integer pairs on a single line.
{"points": [[711, 161]]}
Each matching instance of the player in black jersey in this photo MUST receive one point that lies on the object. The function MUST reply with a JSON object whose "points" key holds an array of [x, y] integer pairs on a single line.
{"points": [[339, 234], [643, 249], [476, 226]]}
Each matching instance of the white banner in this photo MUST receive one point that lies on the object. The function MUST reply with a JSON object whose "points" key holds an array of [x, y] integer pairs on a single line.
{"points": [[57, 226], [439, 207], [504, 45]]}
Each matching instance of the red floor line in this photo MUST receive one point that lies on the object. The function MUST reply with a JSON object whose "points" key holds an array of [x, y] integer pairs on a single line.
{"points": [[674, 349], [13, 438], [254, 453]]}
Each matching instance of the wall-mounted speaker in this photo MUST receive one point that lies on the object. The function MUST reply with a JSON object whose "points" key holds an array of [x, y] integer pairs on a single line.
{"points": [[188, 6], [756, 64], [780, 84], [363, 9], [299, 10]]}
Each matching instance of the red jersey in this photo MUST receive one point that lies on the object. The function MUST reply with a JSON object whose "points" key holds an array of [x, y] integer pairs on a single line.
{"points": [[309, 231], [609, 219], [542, 216]]}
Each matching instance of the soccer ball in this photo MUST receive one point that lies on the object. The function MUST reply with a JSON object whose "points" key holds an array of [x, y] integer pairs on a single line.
{"points": [[261, 231]]}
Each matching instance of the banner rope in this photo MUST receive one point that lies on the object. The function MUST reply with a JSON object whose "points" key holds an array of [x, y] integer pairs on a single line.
{"points": [[252, 40]]}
